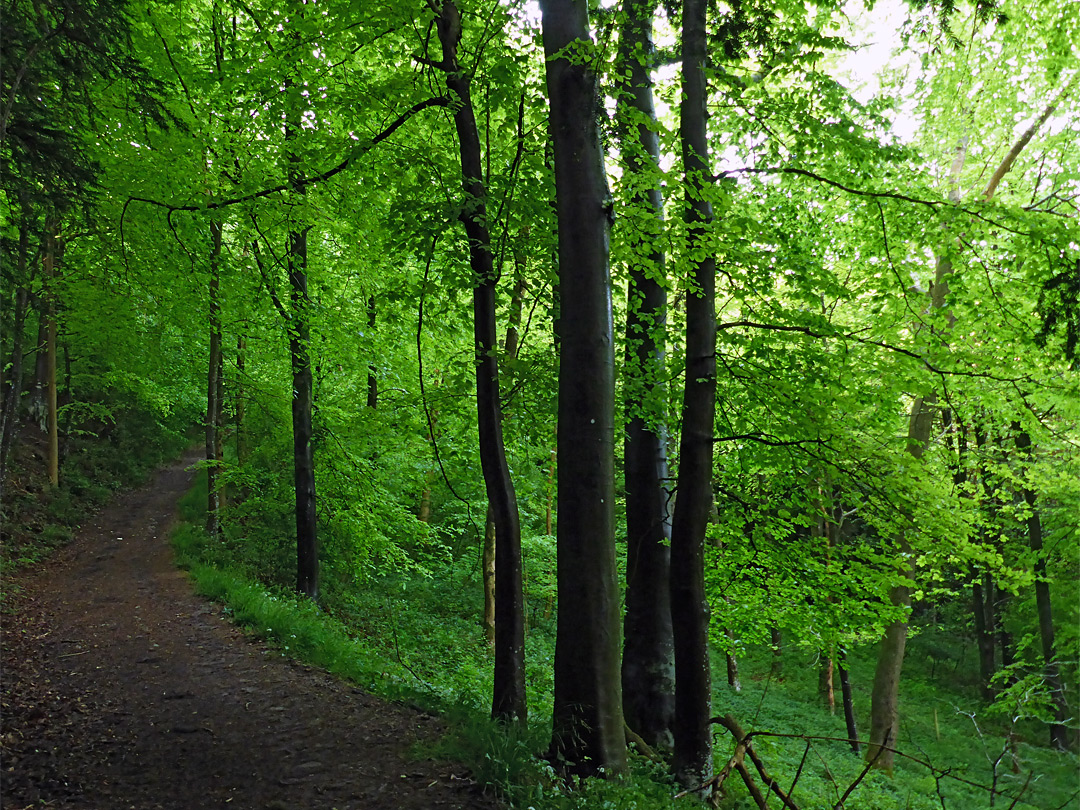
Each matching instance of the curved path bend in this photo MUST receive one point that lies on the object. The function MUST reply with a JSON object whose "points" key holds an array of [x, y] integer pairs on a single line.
{"points": [[122, 689]]}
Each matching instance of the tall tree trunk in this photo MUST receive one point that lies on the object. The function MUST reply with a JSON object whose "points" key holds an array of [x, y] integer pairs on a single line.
{"points": [[214, 390], [732, 664], [36, 406], [849, 703], [588, 731], [648, 667], [510, 348], [50, 354], [885, 697], [372, 380], [776, 666], [241, 399], [488, 566], [826, 691], [508, 699], [1059, 734], [68, 398], [689, 606], [14, 388], [984, 636], [307, 542]]}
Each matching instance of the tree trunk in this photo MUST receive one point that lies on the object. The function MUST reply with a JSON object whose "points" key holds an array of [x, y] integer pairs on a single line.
{"points": [[214, 390], [884, 701], [65, 440], [849, 703], [984, 637], [36, 405], [1059, 734], [588, 733], [1005, 637], [776, 666], [241, 399], [50, 355], [488, 565], [826, 691], [508, 699], [14, 389], [372, 380], [732, 664], [307, 544], [648, 669], [692, 762]]}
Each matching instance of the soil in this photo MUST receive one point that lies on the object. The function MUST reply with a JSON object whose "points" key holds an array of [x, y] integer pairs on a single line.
{"points": [[122, 689]]}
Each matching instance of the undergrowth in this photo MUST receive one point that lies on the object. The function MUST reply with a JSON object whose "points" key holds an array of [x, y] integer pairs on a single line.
{"points": [[416, 640], [38, 518]]}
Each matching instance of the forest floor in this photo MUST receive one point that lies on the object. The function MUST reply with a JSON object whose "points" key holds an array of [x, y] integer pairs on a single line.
{"points": [[122, 689]]}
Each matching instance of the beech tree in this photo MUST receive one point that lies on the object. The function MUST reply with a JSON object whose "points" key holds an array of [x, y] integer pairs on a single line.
{"points": [[648, 676], [508, 700], [587, 733]]}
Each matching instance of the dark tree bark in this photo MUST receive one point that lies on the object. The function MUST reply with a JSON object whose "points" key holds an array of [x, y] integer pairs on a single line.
{"points": [[588, 730], [984, 636], [849, 703], [372, 380], [648, 668], [52, 427], [689, 605], [776, 667], [826, 691], [214, 390], [732, 664], [1059, 734], [487, 564], [36, 405], [307, 538], [13, 391], [508, 699], [241, 399]]}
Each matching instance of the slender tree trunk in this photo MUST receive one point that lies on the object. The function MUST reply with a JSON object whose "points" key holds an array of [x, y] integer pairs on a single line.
{"points": [[849, 703], [241, 399], [588, 733], [307, 544], [488, 564], [423, 511], [648, 668], [50, 354], [372, 380], [776, 667], [214, 455], [689, 606], [36, 406], [826, 691], [508, 699], [984, 638], [14, 389], [1059, 734], [732, 664], [884, 701], [510, 348], [1005, 637], [65, 440]]}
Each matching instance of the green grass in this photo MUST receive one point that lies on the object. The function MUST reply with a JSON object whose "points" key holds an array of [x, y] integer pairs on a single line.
{"points": [[418, 640]]}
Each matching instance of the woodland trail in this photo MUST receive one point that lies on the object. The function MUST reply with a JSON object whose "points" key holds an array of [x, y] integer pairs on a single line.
{"points": [[122, 689]]}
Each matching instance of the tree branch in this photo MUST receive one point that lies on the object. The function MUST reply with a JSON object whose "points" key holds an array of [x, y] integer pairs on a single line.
{"points": [[1018, 147], [303, 182]]}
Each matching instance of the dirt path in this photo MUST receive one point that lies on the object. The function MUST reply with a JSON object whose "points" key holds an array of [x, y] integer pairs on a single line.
{"points": [[121, 689]]}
